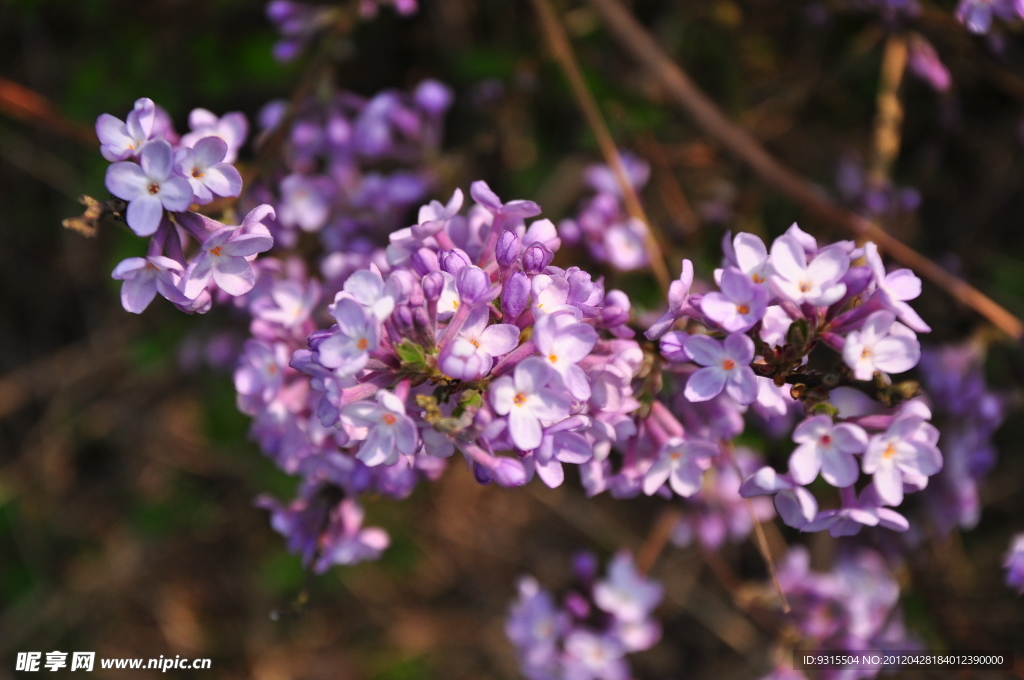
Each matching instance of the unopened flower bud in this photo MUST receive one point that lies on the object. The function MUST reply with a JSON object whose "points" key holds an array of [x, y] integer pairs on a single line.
{"points": [[433, 286], [453, 260], [536, 258], [474, 286], [515, 296], [424, 261], [508, 249]]}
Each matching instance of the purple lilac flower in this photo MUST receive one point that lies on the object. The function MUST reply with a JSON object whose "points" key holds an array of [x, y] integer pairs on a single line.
{"points": [[977, 15], [149, 186], [829, 448], [883, 345], [206, 171], [905, 452], [740, 305], [726, 366], [144, 277], [232, 128], [1014, 564], [528, 398], [472, 352], [122, 140], [224, 256], [390, 433], [565, 644], [816, 282], [682, 464]]}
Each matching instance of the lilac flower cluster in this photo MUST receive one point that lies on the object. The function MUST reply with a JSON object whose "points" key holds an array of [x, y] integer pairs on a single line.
{"points": [[852, 608], [755, 335], [970, 413], [598, 624], [331, 182], [160, 175], [603, 225]]}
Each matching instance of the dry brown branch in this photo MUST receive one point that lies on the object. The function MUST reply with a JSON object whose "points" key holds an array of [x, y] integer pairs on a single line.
{"points": [[21, 103], [562, 50], [635, 39], [889, 111], [657, 539]]}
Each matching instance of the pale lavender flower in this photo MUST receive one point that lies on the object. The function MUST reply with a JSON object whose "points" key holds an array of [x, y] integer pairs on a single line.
{"points": [[829, 448], [726, 366], [472, 352], [625, 593], [895, 288], [562, 443], [775, 326], [740, 305], [535, 626], [867, 510], [1014, 564], [149, 186], [681, 463], [796, 505], [144, 277], [592, 656], [485, 197], [563, 342], [529, 399], [816, 282], [224, 256], [905, 452], [977, 15], [625, 244], [289, 303], [260, 372], [346, 350], [602, 179], [120, 140], [367, 287], [231, 127], [305, 201], [882, 344], [678, 303], [748, 253], [391, 432], [346, 541], [205, 169]]}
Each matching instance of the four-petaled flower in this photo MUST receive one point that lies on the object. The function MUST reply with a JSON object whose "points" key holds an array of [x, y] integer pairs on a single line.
{"points": [[726, 366], [206, 171], [224, 256], [682, 464], [144, 277], [828, 448], [895, 288], [120, 140], [471, 354], [528, 398], [391, 432], [149, 186], [348, 348], [563, 341], [882, 344], [817, 282], [740, 305], [905, 451]]}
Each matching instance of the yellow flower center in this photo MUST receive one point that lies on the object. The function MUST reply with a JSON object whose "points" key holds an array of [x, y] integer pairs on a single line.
{"points": [[520, 399]]}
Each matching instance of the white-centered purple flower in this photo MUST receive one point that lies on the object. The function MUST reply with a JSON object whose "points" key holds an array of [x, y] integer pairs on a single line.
{"points": [[796, 505], [681, 463], [562, 443], [225, 254], [563, 342], [289, 303], [726, 366], [204, 168], [472, 352], [529, 400], [534, 625], [895, 288], [740, 305], [626, 244], [882, 344], [816, 282], [123, 139], [748, 253], [904, 452], [347, 349], [391, 432], [149, 186], [829, 448], [144, 277]]}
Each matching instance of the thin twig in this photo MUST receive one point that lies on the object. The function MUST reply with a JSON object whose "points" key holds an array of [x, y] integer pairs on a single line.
{"points": [[657, 539], [645, 49], [672, 193], [28, 106], [760, 539], [560, 46], [889, 112]]}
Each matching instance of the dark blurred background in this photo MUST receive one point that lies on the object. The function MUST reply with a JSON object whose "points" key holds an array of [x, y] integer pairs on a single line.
{"points": [[126, 478]]}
